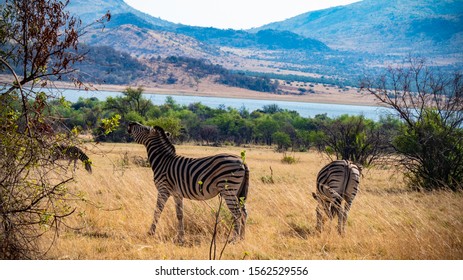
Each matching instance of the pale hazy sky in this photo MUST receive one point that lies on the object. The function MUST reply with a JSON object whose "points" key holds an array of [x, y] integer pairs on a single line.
{"points": [[236, 14]]}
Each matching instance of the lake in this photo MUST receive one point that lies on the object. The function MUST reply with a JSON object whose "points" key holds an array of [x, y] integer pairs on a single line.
{"points": [[305, 109]]}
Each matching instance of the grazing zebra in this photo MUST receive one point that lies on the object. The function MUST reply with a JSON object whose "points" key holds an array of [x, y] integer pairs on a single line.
{"points": [[336, 182], [72, 153], [193, 178]]}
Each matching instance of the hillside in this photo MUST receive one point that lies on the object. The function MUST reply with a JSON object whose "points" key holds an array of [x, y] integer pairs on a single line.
{"points": [[340, 44], [122, 15], [267, 39], [389, 26], [104, 65], [148, 43], [267, 51], [91, 10]]}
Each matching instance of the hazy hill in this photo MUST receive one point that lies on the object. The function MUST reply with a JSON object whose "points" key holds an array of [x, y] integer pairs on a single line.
{"points": [[145, 37], [122, 14], [90, 10], [265, 39], [384, 25], [147, 43]]}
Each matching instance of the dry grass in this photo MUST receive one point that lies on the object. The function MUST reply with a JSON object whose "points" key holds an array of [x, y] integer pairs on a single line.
{"points": [[386, 221]]}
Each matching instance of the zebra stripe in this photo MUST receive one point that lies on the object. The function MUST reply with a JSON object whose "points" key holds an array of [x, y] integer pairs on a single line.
{"points": [[337, 182], [72, 153], [193, 178]]}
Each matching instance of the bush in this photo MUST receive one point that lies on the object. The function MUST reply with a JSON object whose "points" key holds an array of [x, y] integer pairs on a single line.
{"points": [[288, 159], [355, 138], [433, 153], [430, 106]]}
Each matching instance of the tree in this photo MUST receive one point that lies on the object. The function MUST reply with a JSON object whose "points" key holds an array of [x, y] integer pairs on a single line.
{"points": [[39, 43], [209, 133], [282, 140], [356, 139], [131, 100], [265, 128], [430, 105], [170, 124]]}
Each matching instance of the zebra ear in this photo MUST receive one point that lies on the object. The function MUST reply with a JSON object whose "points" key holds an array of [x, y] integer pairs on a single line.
{"points": [[153, 130], [158, 129], [162, 131]]}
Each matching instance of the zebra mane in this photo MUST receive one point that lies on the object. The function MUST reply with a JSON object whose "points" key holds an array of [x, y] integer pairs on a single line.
{"points": [[165, 139]]}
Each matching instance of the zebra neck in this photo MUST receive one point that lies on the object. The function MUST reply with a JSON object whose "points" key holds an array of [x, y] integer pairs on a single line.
{"points": [[159, 152], [159, 145], [158, 158], [151, 149]]}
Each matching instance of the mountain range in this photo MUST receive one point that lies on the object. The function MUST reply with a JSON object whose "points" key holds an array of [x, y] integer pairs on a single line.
{"points": [[376, 26], [384, 25], [341, 43]]}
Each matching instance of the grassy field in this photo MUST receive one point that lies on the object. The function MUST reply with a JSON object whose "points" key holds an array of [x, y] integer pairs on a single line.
{"points": [[386, 221]]}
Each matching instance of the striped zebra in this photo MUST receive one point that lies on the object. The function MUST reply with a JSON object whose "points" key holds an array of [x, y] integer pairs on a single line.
{"points": [[72, 153], [193, 178], [337, 182]]}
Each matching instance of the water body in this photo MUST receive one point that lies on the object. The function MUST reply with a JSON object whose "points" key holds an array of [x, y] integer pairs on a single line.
{"points": [[305, 109]]}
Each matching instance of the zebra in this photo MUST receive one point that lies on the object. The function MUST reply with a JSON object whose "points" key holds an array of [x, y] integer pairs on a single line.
{"points": [[72, 153], [338, 181], [193, 178]]}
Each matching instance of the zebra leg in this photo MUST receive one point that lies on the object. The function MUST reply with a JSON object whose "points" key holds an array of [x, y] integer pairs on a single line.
{"points": [[244, 216], [320, 218], [342, 219], [234, 206], [161, 202], [179, 210]]}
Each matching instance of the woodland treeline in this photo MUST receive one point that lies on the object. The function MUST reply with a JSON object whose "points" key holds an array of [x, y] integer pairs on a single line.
{"points": [[351, 137]]}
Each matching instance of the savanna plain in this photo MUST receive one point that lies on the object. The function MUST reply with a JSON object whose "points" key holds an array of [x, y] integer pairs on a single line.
{"points": [[387, 220]]}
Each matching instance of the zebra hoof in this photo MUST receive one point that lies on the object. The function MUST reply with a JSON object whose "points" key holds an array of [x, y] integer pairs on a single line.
{"points": [[232, 241], [179, 241], [235, 239]]}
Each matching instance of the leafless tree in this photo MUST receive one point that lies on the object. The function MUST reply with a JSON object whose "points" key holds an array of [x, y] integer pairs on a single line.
{"points": [[430, 104]]}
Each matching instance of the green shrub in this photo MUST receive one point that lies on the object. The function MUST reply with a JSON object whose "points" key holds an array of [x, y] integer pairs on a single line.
{"points": [[433, 153], [288, 159]]}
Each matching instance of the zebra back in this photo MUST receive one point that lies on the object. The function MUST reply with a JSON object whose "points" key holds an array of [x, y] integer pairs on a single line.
{"points": [[338, 180]]}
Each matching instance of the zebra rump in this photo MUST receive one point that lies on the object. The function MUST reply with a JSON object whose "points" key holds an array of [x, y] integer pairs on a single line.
{"points": [[337, 183]]}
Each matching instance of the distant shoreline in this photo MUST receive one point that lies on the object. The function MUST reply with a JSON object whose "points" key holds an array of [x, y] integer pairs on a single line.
{"points": [[348, 98], [323, 95]]}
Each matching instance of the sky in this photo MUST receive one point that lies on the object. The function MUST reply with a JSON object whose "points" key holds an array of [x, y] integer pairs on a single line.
{"points": [[235, 14]]}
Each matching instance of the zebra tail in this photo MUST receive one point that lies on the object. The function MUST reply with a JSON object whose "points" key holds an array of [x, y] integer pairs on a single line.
{"points": [[243, 192]]}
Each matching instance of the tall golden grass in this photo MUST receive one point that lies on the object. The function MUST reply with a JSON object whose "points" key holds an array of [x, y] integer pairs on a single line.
{"points": [[387, 221]]}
